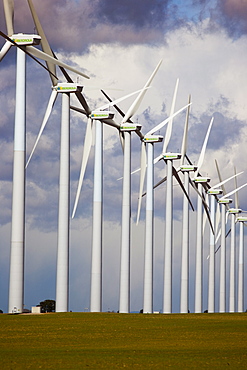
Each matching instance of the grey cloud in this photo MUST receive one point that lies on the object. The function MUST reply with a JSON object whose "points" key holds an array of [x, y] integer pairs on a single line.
{"points": [[72, 26], [233, 16], [138, 13]]}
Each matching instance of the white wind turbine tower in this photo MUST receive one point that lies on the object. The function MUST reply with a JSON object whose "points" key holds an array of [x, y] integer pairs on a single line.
{"points": [[171, 171], [125, 130], [232, 212], [224, 203], [99, 116], [200, 181], [240, 306], [213, 191], [148, 140], [22, 42], [169, 157], [185, 169]]}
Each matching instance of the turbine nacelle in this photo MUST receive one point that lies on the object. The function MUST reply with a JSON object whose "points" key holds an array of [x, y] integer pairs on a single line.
{"points": [[225, 201], [25, 39], [214, 191], [67, 87], [234, 210], [188, 168], [130, 127], [172, 156], [199, 180], [241, 219], [152, 138], [100, 114]]}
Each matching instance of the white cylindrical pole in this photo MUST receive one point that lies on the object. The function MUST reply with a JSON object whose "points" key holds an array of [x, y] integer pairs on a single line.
{"points": [[148, 259], [222, 295], [96, 271], [241, 269], [16, 279], [184, 296], [124, 293], [198, 274], [62, 283], [211, 267], [232, 267], [167, 299]]}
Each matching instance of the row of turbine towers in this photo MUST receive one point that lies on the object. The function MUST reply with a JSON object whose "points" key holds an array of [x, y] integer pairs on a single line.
{"points": [[97, 117]]}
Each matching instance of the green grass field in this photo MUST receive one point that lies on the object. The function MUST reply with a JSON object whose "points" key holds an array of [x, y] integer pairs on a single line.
{"points": [[116, 341]]}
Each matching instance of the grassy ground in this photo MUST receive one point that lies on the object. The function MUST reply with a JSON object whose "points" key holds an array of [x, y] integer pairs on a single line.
{"points": [[116, 341]]}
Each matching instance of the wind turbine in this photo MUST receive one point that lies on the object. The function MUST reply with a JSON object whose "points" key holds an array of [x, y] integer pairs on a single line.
{"points": [[185, 169], [200, 181], [24, 43], [125, 130], [240, 306], [171, 171], [148, 141], [224, 203]]}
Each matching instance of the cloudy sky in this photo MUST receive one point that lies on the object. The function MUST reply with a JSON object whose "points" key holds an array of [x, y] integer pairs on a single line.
{"points": [[118, 44]]}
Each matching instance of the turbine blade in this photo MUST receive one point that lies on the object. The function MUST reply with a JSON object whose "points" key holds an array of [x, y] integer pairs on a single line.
{"points": [[160, 182], [86, 151], [169, 126], [217, 218], [229, 178], [121, 138], [185, 135], [202, 154], [234, 191], [44, 42], [176, 175], [5, 49], [225, 237], [135, 105], [227, 214], [163, 123], [8, 7], [142, 178], [46, 117], [236, 185], [157, 159], [219, 175], [208, 215], [113, 102], [41, 55], [76, 109], [204, 213]]}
